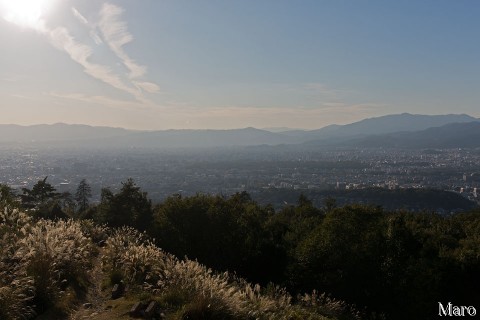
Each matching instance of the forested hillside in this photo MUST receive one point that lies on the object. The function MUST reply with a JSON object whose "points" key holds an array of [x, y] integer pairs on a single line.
{"points": [[369, 262]]}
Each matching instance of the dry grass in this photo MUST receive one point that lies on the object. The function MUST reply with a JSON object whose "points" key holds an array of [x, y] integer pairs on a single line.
{"points": [[16, 287], [46, 264], [193, 289]]}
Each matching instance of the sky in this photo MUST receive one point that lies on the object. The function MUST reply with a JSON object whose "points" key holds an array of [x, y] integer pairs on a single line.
{"points": [[187, 64]]}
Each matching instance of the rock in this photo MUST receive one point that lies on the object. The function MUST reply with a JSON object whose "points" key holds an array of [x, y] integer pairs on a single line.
{"points": [[150, 311], [118, 290], [136, 310]]}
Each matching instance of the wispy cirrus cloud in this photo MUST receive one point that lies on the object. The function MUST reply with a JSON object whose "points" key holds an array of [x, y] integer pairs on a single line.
{"points": [[93, 32], [116, 34], [180, 115], [11, 78], [324, 90], [147, 86], [80, 17], [222, 117], [61, 39], [100, 100], [22, 96]]}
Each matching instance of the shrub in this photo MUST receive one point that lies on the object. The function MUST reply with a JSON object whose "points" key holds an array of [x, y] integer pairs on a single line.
{"points": [[199, 292], [54, 253], [323, 304], [204, 307], [16, 288]]}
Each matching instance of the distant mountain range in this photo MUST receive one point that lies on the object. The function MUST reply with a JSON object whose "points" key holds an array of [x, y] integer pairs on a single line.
{"points": [[385, 124], [400, 131], [453, 135], [394, 123], [57, 132]]}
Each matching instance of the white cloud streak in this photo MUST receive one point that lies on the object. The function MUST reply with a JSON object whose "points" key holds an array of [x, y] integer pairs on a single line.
{"points": [[78, 52], [93, 33], [10, 79], [92, 29], [116, 35], [100, 100], [80, 17], [147, 86], [283, 117], [178, 115], [323, 90]]}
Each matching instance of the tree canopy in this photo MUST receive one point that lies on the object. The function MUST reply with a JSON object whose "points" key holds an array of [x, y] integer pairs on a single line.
{"points": [[82, 196]]}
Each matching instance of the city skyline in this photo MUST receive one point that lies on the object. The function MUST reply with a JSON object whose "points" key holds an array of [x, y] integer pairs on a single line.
{"points": [[157, 65]]}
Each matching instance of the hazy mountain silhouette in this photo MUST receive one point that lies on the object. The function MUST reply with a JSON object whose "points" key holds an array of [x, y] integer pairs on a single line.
{"points": [[381, 125], [82, 135], [454, 135], [204, 138], [57, 132]]}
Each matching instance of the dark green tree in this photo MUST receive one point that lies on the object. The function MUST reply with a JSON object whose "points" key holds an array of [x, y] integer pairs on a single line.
{"points": [[343, 255], [43, 200], [8, 198], [40, 194], [224, 233], [67, 203], [82, 196], [130, 207], [329, 204]]}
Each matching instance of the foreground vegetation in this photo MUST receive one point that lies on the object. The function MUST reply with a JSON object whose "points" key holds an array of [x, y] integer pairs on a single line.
{"points": [[393, 265], [45, 271]]}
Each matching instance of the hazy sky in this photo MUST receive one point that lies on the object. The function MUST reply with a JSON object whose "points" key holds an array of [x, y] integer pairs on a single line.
{"points": [[160, 64]]}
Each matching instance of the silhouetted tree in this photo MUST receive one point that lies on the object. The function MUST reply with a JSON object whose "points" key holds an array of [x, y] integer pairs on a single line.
{"points": [[129, 207], [329, 204], [84, 192], [44, 201], [225, 233], [8, 198], [40, 193]]}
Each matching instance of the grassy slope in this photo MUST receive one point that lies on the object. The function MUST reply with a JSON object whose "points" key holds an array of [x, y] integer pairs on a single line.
{"points": [[72, 278]]}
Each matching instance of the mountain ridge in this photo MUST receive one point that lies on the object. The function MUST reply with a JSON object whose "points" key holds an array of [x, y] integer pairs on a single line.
{"points": [[453, 135], [86, 135], [391, 123]]}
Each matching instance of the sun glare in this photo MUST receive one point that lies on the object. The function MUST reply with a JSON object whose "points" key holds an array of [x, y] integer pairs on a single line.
{"points": [[25, 13]]}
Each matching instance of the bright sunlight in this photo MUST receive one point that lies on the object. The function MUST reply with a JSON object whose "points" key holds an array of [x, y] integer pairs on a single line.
{"points": [[25, 13]]}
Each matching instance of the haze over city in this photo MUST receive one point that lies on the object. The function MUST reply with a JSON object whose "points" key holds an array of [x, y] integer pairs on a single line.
{"points": [[155, 65]]}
